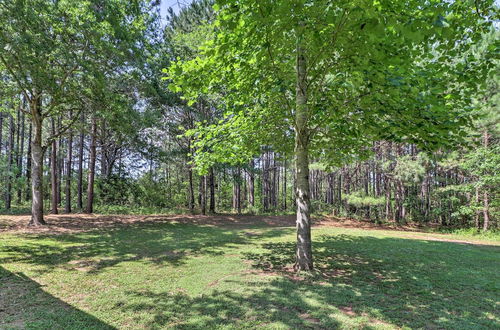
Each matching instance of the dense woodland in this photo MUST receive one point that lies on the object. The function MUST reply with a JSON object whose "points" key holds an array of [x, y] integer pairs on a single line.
{"points": [[89, 107]]}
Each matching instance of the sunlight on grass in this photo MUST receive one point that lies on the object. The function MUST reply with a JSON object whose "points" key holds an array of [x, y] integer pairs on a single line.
{"points": [[192, 276]]}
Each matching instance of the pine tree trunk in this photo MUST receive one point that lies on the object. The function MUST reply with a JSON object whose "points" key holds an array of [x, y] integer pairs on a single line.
{"points": [[476, 219], [211, 182], [304, 258], [60, 163], [284, 185], [201, 194], [91, 177], [10, 163], [191, 191], [1, 131], [238, 191], [37, 152], [20, 159], [251, 185], [69, 159], [486, 211], [28, 164], [79, 200], [53, 170]]}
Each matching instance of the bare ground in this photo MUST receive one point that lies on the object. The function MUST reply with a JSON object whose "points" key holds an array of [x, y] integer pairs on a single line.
{"points": [[74, 223]]}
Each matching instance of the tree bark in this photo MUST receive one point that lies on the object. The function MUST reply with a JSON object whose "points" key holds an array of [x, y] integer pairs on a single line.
{"points": [[211, 183], [28, 164], [37, 152], [1, 131], [79, 200], [20, 159], [202, 194], [304, 258], [10, 162], [69, 159], [53, 170], [486, 211], [191, 190], [476, 218], [251, 184], [91, 177]]}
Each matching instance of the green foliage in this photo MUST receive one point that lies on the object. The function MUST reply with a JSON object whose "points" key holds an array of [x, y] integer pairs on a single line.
{"points": [[404, 86], [360, 199]]}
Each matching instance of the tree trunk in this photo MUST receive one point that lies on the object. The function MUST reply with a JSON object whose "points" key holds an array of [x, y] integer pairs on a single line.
{"points": [[28, 164], [304, 258], [1, 131], [37, 152], [53, 170], [284, 185], [20, 159], [251, 184], [476, 218], [10, 162], [211, 183], [90, 183], [79, 200], [191, 190], [486, 211], [202, 195], [60, 163], [69, 159]]}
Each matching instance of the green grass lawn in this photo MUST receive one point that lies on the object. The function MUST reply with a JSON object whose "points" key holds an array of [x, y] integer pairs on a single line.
{"points": [[178, 275]]}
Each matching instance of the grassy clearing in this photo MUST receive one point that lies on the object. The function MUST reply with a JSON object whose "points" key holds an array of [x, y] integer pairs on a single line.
{"points": [[182, 275]]}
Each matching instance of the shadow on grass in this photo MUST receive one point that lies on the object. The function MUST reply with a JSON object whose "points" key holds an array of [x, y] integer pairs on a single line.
{"points": [[24, 304], [159, 243], [403, 282], [361, 282]]}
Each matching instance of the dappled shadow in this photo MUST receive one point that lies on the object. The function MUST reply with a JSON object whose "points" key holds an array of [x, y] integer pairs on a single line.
{"points": [[73, 223], [425, 284], [359, 282], [24, 304], [263, 304], [153, 242]]}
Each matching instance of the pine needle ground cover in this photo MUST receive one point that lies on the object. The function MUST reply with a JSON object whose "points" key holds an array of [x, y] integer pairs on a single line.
{"points": [[235, 273]]}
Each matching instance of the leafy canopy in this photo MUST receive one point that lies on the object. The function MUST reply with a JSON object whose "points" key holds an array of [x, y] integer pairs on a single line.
{"points": [[375, 70]]}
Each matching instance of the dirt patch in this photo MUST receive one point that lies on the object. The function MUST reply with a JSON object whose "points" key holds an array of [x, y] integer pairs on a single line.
{"points": [[330, 221], [74, 223], [65, 223]]}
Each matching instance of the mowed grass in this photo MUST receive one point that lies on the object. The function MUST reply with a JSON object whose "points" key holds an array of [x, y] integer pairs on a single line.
{"points": [[190, 276]]}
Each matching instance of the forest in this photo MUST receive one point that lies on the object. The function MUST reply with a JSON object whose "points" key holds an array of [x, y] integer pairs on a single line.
{"points": [[268, 124]]}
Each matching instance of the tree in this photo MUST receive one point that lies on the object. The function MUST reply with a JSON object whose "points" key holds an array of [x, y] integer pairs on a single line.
{"points": [[356, 71], [50, 49]]}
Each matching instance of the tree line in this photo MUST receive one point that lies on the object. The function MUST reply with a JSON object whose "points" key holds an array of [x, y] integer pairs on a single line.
{"points": [[252, 107]]}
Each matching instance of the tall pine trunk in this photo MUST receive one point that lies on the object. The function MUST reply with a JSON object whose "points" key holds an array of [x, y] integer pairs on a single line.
{"points": [[202, 194], [304, 258], [486, 207], [69, 159], [1, 131], [53, 170], [90, 183], [28, 164], [211, 183], [191, 191], [251, 184], [10, 162], [79, 200], [20, 159]]}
